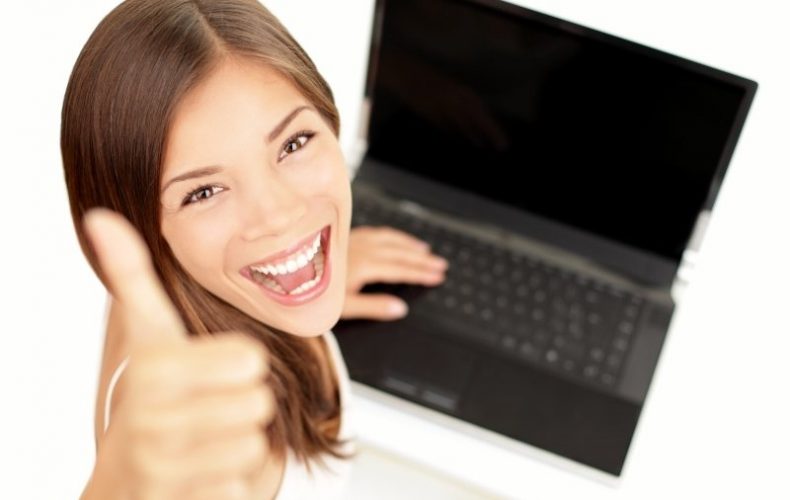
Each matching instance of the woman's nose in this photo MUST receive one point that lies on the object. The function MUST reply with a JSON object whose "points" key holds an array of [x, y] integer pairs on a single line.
{"points": [[271, 211]]}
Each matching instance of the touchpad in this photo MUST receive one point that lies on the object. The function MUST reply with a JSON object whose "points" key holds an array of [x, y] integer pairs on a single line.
{"points": [[424, 368]]}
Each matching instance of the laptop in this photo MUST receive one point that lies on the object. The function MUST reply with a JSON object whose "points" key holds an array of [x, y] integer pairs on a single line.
{"points": [[561, 171]]}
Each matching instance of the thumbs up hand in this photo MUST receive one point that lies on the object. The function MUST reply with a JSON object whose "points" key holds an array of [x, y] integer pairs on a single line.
{"points": [[192, 417]]}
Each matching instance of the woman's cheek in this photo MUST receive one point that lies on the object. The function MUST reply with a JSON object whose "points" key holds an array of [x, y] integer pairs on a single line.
{"points": [[321, 168], [312, 177], [205, 235]]}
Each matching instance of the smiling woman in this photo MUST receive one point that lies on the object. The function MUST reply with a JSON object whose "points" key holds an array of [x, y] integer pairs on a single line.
{"points": [[207, 127]]}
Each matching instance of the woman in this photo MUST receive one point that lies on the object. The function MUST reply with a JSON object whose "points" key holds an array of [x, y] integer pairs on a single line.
{"points": [[211, 137]]}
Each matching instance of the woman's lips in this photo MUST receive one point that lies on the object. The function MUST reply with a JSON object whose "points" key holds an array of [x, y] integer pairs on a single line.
{"points": [[307, 295]]}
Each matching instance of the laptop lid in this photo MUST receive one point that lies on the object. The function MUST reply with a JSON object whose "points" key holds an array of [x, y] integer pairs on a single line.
{"points": [[604, 147]]}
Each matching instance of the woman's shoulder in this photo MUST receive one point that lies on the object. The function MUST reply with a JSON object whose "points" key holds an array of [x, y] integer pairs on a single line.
{"points": [[339, 367], [344, 386]]}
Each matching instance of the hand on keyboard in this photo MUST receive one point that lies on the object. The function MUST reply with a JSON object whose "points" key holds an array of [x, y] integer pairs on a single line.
{"points": [[514, 302], [386, 255]]}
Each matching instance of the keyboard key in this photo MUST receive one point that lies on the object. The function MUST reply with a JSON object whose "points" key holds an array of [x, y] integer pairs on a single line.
{"points": [[591, 371], [597, 354], [529, 350], [613, 361], [509, 342], [626, 327]]}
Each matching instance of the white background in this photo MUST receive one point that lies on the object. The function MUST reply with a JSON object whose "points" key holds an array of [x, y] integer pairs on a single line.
{"points": [[717, 415]]}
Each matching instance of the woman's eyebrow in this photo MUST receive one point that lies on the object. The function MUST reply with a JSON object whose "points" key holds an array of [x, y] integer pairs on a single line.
{"points": [[192, 174], [285, 121], [206, 171]]}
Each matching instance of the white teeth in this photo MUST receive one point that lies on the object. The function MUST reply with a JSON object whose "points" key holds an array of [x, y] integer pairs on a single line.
{"points": [[301, 261], [293, 264], [263, 274]]}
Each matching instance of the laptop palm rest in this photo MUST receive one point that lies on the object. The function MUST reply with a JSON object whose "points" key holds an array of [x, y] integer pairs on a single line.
{"points": [[412, 361]]}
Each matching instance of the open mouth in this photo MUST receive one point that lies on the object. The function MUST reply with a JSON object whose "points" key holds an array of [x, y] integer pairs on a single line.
{"points": [[296, 275]]}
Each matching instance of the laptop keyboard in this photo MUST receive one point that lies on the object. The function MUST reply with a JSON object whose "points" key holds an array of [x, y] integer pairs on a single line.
{"points": [[516, 304]]}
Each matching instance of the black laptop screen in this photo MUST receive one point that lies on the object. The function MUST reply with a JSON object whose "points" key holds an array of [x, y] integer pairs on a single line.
{"points": [[581, 129]]}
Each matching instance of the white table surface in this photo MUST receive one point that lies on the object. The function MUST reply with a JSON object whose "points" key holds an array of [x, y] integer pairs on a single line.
{"points": [[381, 475]]}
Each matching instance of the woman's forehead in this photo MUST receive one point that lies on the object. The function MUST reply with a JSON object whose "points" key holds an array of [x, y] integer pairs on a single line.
{"points": [[238, 102], [238, 85]]}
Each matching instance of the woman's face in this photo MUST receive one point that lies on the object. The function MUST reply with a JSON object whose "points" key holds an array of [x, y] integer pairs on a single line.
{"points": [[256, 198]]}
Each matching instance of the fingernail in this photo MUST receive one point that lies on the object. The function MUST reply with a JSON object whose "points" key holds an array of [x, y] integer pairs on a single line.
{"points": [[399, 309]]}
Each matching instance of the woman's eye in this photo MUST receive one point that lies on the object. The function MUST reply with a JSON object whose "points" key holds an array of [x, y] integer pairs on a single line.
{"points": [[295, 143], [200, 194]]}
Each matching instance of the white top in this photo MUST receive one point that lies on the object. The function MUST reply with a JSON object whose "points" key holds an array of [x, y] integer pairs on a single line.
{"points": [[297, 483]]}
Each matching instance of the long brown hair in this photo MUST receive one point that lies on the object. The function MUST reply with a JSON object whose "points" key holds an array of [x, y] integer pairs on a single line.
{"points": [[137, 65]]}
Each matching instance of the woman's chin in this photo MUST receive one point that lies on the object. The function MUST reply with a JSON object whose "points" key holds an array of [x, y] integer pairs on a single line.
{"points": [[313, 328], [312, 321]]}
